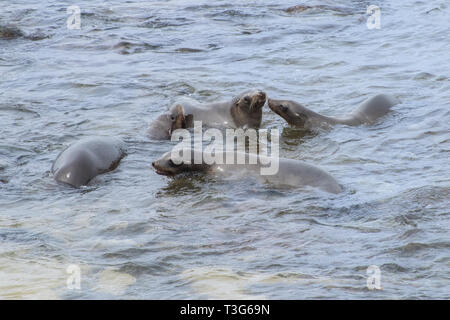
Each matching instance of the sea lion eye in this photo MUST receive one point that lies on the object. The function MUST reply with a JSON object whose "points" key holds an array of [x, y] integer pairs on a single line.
{"points": [[247, 100], [283, 108], [172, 118]]}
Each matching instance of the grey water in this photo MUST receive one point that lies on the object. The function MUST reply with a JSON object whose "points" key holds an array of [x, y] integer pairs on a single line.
{"points": [[135, 234]]}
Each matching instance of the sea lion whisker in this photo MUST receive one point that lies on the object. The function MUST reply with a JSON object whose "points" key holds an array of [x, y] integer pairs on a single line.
{"points": [[253, 102]]}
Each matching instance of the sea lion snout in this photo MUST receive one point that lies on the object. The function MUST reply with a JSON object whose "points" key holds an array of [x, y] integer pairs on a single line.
{"points": [[259, 98], [276, 106], [160, 168], [165, 166], [272, 104], [255, 100], [158, 165], [261, 95]]}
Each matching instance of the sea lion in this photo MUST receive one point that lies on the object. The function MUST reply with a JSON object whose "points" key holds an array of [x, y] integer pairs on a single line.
{"points": [[162, 127], [297, 115], [85, 159], [243, 111], [290, 172]]}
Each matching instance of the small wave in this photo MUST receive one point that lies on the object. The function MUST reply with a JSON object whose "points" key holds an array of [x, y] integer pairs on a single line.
{"points": [[137, 269], [425, 196], [233, 13], [19, 108], [34, 240], [434, 10], [10, 32], [37, 36], [424, 76], [206, 6], [220, 283], [127, 47], [188, 50], [413, 248], [393, 267], [158, 23], [302, 8], [410, 233], [84, 85], [113, 282]]}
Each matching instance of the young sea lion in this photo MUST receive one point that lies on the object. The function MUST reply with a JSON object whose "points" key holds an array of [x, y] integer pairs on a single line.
{"points": [[290, 172], [162, 127], [85, 159], [297, 115], [243, 111]]}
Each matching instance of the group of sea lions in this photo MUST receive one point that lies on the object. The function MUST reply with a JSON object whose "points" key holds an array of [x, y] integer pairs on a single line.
{"points": [[85, 159], [243, 111]]}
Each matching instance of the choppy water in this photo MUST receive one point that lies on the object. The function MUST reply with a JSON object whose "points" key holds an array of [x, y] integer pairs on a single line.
{"points": [[136, 234]]}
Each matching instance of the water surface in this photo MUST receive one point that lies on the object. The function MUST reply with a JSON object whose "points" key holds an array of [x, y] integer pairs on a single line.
{"points": [[136, 234]]}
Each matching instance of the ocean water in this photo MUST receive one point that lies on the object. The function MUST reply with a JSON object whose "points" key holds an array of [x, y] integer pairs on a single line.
{"points": [[134, 234]]}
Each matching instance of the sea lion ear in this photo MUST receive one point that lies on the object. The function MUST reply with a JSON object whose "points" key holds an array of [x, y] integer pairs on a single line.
{"points": [[189, 119]]}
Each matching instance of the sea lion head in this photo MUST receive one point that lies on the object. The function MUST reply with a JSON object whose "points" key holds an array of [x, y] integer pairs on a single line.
{"points": [[246, 108], [172, 163], [294, 113], [175, 118]]}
